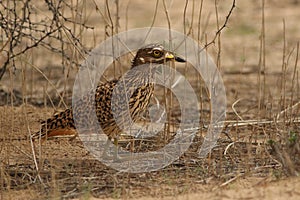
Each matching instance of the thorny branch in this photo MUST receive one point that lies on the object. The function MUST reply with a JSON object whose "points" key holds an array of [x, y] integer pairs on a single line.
{"points": [[21, 32], [219, 31]]}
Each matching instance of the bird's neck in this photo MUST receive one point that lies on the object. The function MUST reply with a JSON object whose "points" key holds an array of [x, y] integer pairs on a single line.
{"points": [[142, 74]]}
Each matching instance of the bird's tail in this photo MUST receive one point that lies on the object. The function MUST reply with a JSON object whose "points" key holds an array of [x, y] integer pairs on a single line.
{"points": [[60, 125]]}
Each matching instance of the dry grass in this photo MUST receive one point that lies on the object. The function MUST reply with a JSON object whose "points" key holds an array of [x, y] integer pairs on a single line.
{"points": [[257, 53]]}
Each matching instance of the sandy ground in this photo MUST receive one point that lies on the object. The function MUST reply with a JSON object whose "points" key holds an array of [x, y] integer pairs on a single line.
{"points": [[239, 189], [255, 189]]}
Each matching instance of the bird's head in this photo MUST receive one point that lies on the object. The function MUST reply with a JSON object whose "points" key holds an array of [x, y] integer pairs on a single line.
{"points": [[155, 54]]}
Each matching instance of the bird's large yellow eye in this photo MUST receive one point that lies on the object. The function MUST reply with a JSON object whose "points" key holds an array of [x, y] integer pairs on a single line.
{"points": [[157, 53]]}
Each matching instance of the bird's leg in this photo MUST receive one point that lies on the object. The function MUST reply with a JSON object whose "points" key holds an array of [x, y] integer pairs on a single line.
{"points": [[116, 157], [105, 155], [132, 141], [106, 147]]}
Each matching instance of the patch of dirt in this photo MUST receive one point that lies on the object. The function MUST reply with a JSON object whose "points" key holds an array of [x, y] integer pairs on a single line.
{"points": [[257, 188]]}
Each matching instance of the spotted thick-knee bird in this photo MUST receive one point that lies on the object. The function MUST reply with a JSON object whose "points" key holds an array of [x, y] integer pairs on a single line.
{"points": [[150, 57]]}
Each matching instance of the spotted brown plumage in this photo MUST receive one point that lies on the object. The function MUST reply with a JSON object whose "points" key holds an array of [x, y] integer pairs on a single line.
{"points": [[138, 82]]}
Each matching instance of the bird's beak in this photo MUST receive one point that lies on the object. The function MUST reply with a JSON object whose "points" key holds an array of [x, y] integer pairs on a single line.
{"points": [[171, 56], [179, 59]]}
